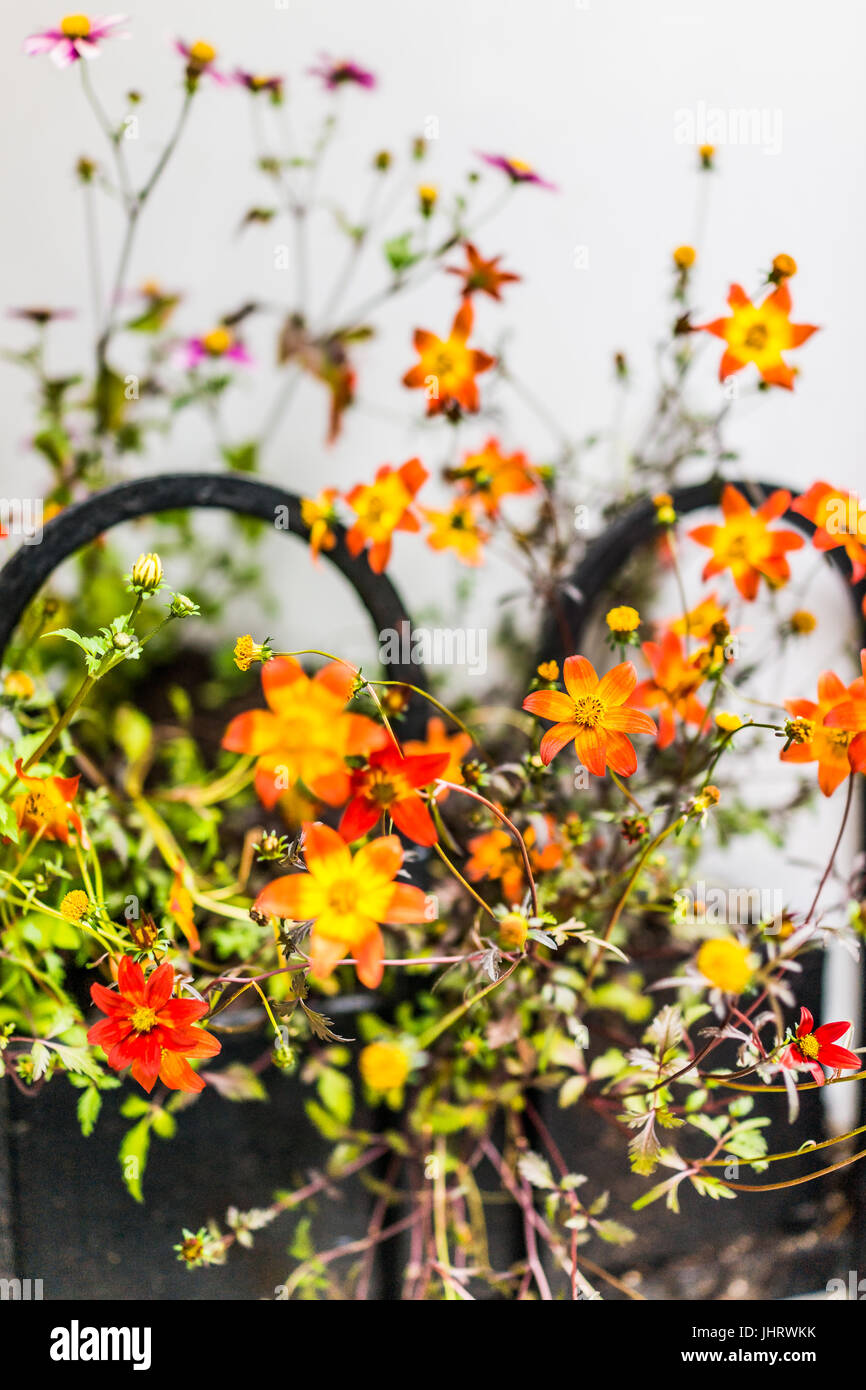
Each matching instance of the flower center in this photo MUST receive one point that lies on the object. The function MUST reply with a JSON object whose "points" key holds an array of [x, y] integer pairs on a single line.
{"points": [[143, 1019], [75, 26], [809, 1046], [342, 895], [217, 342], [202, 52], [756, 338], [838, 739], [588, 711]]}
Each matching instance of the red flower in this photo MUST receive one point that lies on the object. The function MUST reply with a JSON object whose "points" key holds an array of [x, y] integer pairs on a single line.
{"points": [[149, 1030], [389, 782], [816, 1047], [482, 275]]}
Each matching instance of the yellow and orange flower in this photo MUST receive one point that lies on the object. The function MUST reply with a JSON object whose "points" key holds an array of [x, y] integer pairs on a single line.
{"points": [[491, 475], [700, 621], [383, 507], [319, 514], [46, 808], [671, 688], [447, 367], [838, 750], [593, 715], [346, 898], [438, 740], [457, 529], [306, 733], [744, 543], [759, 333], [839, 520]]}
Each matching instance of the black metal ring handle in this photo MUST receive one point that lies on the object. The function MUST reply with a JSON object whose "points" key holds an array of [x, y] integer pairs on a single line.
{"points": [[637, 525], [80, 523]]}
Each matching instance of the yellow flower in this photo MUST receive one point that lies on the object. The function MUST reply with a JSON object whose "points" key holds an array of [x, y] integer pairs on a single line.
{"points": [[513, 931], [247, 651], [549, 671], [684, 257], [427, 196], [623, 619], [728, 722], [75, 905], [384, 1066], [146, 574], [726, 964], [19, 685], [803, 621], [783, 267]]}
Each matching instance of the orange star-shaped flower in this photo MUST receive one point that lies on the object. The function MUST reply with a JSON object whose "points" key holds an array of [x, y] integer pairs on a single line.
{"points": [[491, 475], [47, 807], [306, 733], [839, 520], [383, 507], [594, 715], [448, 366], [346, 898], [759, 333], [744, 543], [389, 783], [482, 275], [671, 688]]}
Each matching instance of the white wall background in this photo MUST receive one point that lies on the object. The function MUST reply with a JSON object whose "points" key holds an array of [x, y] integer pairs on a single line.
{"points": [[587, 92]]}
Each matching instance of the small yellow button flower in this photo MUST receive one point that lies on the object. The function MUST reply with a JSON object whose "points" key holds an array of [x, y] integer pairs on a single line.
{"points": [[802, 621], [19, 685], [549, 671], [726, 964], [623, 619], [75, 905], [728, 722], [684, 257], [384, 1066]]}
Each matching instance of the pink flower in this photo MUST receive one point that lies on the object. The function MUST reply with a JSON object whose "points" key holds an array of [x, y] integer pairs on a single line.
{"points": [[516, 169], [77, 36], [338, 74], [257, 82], [200, 57], [220, 344]]}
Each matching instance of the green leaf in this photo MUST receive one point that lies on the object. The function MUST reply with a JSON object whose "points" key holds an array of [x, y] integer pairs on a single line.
{"points": [[335, 1092], [614, 1232], [88, 1108], [132, 1154]]}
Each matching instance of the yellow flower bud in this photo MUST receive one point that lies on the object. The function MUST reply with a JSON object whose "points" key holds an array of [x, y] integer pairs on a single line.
{"points": [[146, 574], [685, 257]]}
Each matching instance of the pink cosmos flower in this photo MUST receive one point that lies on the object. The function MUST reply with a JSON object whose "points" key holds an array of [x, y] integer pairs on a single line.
{"points": [[516, 169], [257, 82], [77, 36], [220, 344], [338, 74]]}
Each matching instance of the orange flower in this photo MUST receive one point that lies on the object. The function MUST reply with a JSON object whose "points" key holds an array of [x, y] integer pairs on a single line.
{"points": [[481, 275], [389, 782], [181, 910], [47, 806], [149, 1030], [306, 734], [457, 530], [836, 745], [744, 543], [594, 714], [383, 507], [319, 515], [491, 475], [438, 740], [759, 333], [346, 898], [839, 520], [495, 855], [448, 367], [671, 690]]}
